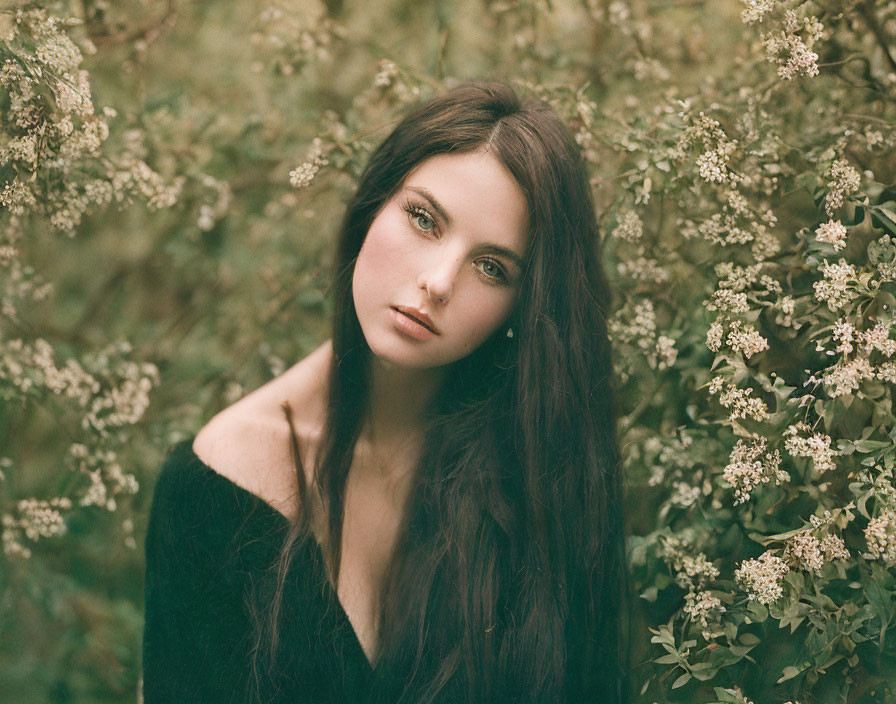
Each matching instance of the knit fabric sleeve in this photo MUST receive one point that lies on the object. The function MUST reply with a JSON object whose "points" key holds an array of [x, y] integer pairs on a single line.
{"points": [[196, 629]]}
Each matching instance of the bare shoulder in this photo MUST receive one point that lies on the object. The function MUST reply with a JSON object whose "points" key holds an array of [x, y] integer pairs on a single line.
{"points": [[249, 442]]}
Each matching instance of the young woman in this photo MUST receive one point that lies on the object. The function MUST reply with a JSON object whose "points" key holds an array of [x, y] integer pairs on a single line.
{"points": [[427, 508]]}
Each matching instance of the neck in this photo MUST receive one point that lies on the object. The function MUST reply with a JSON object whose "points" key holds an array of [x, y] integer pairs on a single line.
{"points": [[398, 402]]}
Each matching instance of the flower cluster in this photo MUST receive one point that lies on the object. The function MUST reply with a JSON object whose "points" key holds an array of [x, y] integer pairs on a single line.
{"points": [[637, 326], [125, 395], [713, 163], [833, 233], [53, 130], [886, 372], [36, 519], [715, 335], [717, 148], [786, 307], [692, 571], [630, 227], [728, 300], [800, 441], [746, 339], [756, 10], [880, 535], [843, 180], [809, 553], [836, 289], [30, 367], [684, 495], [641, 268], [673, 454], [882, 255], [302, 176], [790, 46], [845, 377], [843, 333], [105, 474], [392, 79], [740, 402], [750, 465], [214, 210], [763, 577], [878, 338], [387, 74], [737, 278], [705, 609]]}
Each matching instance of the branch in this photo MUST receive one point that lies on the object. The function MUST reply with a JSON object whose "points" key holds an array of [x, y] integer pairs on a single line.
{"points": [[867, 12]]}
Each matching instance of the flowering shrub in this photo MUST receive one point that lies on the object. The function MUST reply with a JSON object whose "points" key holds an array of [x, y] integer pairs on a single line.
{"points": [[782, 437], [742, 159], [55, 170]]}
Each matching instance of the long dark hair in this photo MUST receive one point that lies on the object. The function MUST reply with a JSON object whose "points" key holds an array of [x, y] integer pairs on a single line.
{"points": [[508, 580]]}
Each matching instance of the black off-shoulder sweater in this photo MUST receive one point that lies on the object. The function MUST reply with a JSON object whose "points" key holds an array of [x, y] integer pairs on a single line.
{"points": [[210, 547]]}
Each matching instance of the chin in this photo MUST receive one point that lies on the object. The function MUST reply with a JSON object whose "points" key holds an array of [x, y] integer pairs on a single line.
{"points": [[407, 355]]}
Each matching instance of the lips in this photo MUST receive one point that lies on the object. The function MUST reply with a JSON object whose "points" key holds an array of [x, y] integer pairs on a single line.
{"points": [[419, 316]]}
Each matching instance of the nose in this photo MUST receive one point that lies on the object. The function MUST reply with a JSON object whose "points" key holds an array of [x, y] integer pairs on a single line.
{"points": [[439, 276]]}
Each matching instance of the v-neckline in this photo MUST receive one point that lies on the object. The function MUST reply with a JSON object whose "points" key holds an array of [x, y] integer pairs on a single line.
{"points": [[315, 545]]}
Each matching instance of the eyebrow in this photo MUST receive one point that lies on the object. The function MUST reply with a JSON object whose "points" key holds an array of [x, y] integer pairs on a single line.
{"points": [[493, 248]]}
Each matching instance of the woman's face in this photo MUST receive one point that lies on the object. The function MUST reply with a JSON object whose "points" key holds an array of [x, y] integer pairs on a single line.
{"points": [[448, 248]]}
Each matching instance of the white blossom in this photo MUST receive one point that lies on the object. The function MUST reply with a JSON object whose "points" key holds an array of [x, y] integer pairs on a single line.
{"points": [[741, 402], [714, 336], [835, 289], [756, 10], [806, 550], [844, 181], [843, 333], [845, 377], [833, 233], [746, 339], [302, 176], [763, 577], [750, 464], [800, 441], [630, 227], [705, 610], [880, 535], [834, 548]]}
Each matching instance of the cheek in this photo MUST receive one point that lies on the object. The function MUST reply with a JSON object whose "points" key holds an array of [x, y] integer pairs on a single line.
{"points": [[381, 255], [485, 314]]}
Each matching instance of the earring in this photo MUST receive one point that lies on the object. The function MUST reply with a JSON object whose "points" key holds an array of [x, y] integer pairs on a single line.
{"points": [[509, 332]]}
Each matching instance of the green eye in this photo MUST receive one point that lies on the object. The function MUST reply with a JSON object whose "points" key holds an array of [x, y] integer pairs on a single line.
{"points": [[420, 217], [492, 269], [423, 222]]}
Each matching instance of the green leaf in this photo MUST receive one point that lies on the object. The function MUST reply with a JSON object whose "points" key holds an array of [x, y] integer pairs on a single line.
{"points": [[789, 672], [758, 612], [650, 594], [884, 218], [670, 659], [681, 681]]}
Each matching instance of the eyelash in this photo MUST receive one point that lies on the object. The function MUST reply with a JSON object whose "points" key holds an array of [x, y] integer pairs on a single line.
{"points": [[415, 210]]}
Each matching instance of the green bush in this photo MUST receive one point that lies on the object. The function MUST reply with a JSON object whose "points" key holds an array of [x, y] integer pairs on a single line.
{"points": [[171, 179]]}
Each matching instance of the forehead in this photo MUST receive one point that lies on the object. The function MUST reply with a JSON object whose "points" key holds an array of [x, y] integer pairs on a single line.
{"points": [[478, 194]]}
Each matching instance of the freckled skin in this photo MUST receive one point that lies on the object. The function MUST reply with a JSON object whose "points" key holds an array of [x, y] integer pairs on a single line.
{"points": [[411, 260]]}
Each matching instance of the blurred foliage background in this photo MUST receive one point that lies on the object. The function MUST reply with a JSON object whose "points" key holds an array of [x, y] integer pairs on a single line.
{"points": [[173, 174]]}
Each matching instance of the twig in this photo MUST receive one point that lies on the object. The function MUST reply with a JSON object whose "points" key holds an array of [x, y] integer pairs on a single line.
{"points": [[867, 12], [866, 118]]}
